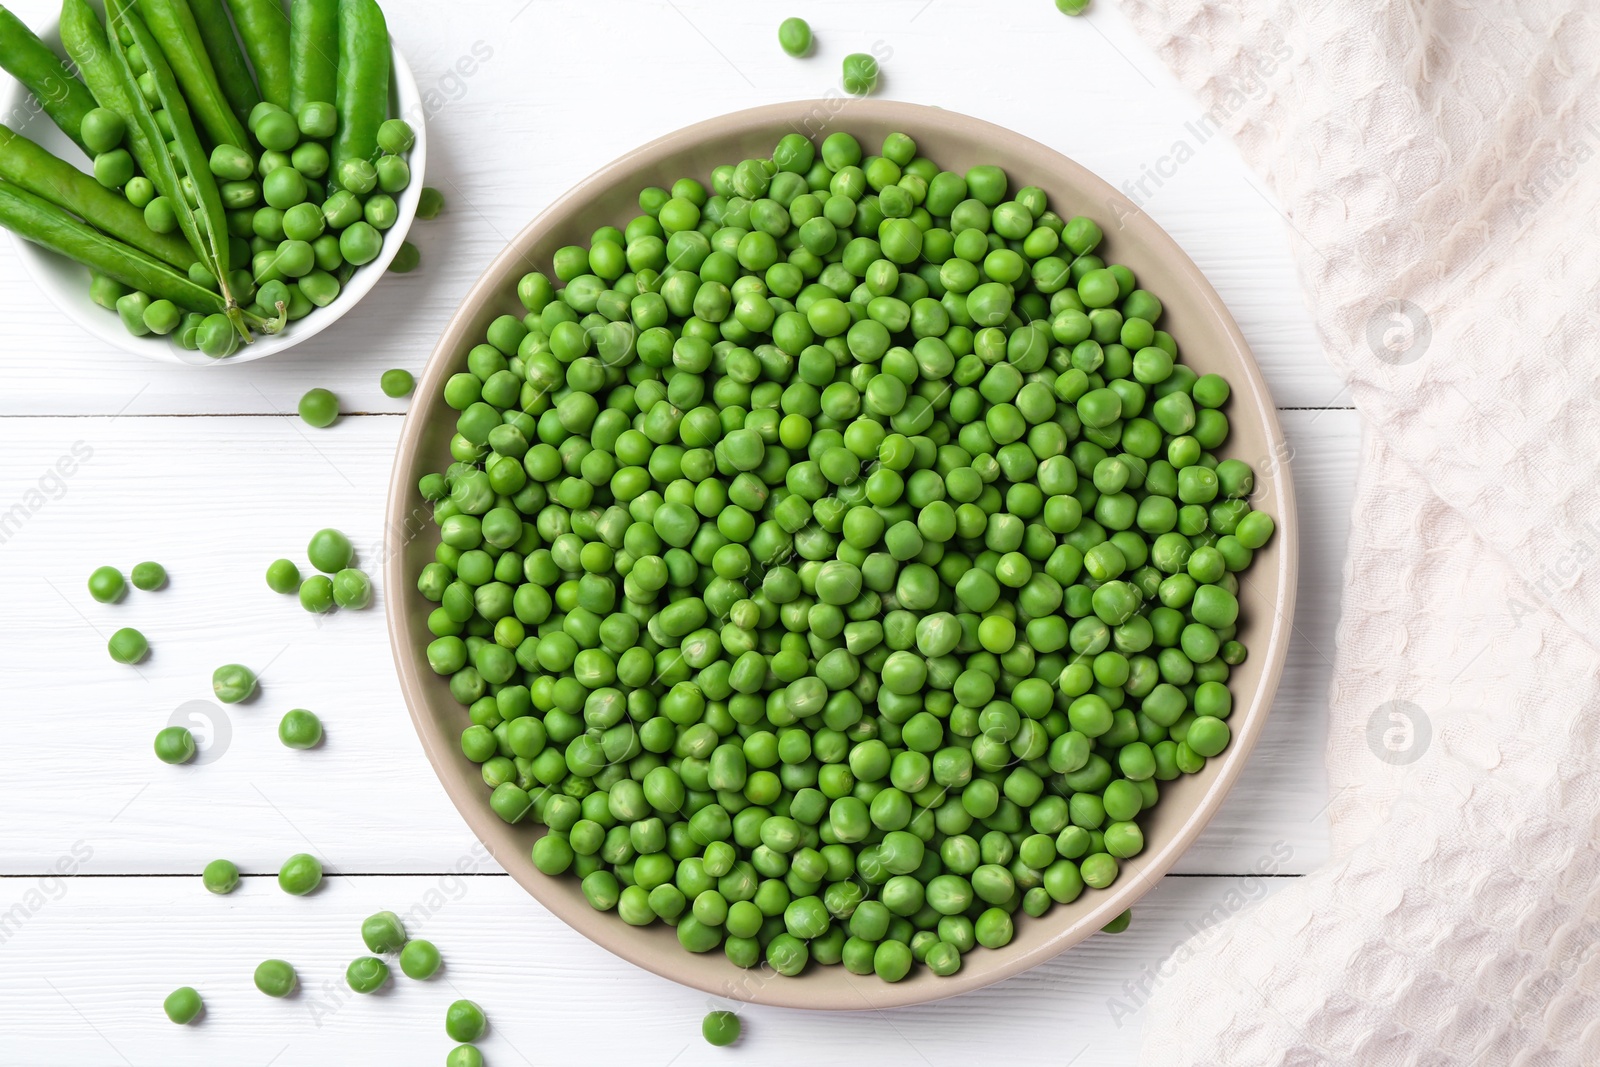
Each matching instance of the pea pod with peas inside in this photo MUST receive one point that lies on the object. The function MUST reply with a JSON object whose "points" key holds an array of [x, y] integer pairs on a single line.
{"points": [[41, 222], [204, 223], [29, 167], [64, 98], [172, 27]]}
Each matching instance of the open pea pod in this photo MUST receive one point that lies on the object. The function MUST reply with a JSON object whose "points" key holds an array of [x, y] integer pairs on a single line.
{"points": [[204, 223]]}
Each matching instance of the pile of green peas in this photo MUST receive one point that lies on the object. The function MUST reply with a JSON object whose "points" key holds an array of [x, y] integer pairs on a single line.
{"points": [[837, 561]]}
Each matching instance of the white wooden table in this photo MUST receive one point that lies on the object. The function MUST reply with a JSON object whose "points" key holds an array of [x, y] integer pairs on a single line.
{"points": [[206, 470]]}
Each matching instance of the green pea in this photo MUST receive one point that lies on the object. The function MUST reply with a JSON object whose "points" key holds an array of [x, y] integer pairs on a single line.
{"points": [[276, 978], [300, 729], [319, 407], [300, 874], [183, 1005]]}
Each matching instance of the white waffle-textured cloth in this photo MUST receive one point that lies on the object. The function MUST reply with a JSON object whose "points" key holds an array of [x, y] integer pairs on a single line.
{"points": [[1444, 154]]}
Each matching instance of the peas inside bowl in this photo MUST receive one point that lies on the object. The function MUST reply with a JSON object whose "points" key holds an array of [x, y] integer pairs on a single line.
{"points": [[830, 570], [275, 174]]}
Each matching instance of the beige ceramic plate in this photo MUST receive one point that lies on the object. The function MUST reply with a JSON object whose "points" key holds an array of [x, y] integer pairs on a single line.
{"points": [[1208, 340]]}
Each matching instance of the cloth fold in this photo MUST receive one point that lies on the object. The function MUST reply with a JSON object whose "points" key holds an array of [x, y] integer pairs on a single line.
{"points": [[1439, 166]]}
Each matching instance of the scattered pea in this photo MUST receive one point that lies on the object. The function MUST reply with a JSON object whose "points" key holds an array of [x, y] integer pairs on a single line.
{"points": [[300, 729], [220, 877], [721, 1028], [300, 874], [233, 682], [329, 551], [316, 594], [352, 589], [183, 1005], [397, 383], [794, 36], [860, 74], [407, 259], [275, 978], [175, 744], [464, 1021], [128, 646], [419, 959], [430, 203], [283, 576], [367, 974], [319, 407], [107, 585]]}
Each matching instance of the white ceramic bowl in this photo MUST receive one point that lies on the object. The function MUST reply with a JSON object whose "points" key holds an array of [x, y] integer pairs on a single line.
{"points": [[67, 283]]}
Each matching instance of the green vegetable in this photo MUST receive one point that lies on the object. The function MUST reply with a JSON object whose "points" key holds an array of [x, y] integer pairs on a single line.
{"points": [[464, 1056], [300, 874], [220, 877], [275, 978], [183, 1005], [464, 1021], [227, 59], [396, 137], [103, 130], [794, 36], [330, 551], [319, 407], [1072, 7], [264, 28], [316, 594], [363, 93], [41, 222], [383, 932], [367, 974], [860, 74], [352, 589], [723, 1027], [419, 959], [173, 28], [300, 729], [149, 576], [233, 683], [430, 203], [175, 744], [128, 645], [204, 226], [397, 383], [313, 52], [107, 585], [26, 58]]}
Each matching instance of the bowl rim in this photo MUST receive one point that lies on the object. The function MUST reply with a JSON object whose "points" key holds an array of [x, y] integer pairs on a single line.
{"points": [[108, 328], [405, 521]]}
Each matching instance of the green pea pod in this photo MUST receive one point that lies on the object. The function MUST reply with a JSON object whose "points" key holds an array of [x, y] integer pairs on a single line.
{"points": [[227, 58], [363, 97], [313, 52], [31, 168], [172, 27], [35, 219], [85, 42], [206, 225], [64, 98], [265, 31]]}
